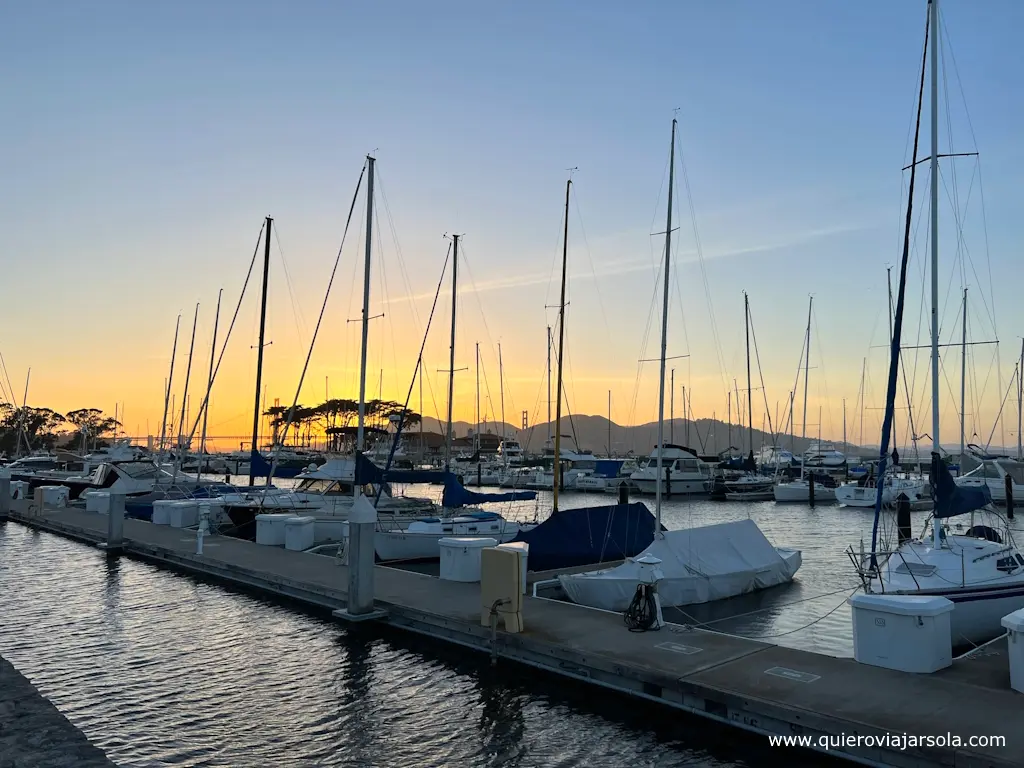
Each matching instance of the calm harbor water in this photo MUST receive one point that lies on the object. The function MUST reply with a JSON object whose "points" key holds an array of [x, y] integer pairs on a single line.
{"points": [[159, 668]]}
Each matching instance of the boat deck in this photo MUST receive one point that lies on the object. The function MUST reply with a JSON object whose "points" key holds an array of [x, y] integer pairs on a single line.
{"points": [[746, 683]]}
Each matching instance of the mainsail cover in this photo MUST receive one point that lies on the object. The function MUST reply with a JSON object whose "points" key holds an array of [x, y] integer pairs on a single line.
{"points": [[455, 495], [951, 499]]}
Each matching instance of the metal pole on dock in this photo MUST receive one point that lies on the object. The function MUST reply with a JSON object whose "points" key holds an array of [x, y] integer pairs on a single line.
{"points": [[5, 497]]}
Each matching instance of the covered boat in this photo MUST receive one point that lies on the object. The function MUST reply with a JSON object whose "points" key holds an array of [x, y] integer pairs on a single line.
{"points": [[698, 565]]}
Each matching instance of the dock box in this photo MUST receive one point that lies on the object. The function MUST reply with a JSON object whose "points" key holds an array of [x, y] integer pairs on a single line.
{"points": [[460, 557], [270, 528], [909, 633], [162, 511], [54, 495], [95, 501], [19, 489], [523, 548], [1014, 624], [298, 533], [184, 514]]}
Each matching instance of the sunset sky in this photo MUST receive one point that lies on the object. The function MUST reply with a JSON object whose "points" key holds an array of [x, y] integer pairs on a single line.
{"points": [[143, 143]]}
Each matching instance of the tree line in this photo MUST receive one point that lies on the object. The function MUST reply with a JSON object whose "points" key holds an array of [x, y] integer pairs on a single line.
{"points": [[34, 428], [335, 417]]}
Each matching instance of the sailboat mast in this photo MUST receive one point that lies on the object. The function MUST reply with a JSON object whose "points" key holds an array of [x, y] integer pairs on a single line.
{"points": [[807, 371], [936, 441], [184, 395], [254, 449], [209, 386], [750, 399], [360, 430], [844, 425], [477, 428], [451, 355], [963, 378], [672, 407], [557, 465], [549, 382], [664, 334], [610, 423], [863, 370]]}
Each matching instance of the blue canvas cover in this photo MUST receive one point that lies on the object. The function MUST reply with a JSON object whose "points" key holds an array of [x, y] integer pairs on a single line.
{"points": [[589, 535], [608, 467], [951, 499], [455, 495]]}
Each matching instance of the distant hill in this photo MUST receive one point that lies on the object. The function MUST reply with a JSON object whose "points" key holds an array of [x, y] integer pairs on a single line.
{"points": [[706, 436]]}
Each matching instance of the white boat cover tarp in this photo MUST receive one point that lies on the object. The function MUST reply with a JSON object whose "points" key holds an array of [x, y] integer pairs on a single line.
{"points": [[698, 565]]}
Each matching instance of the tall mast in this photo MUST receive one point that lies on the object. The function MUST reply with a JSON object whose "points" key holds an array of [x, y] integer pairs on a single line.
{"points": [[686, 415], [750, 399], [892, 309], [167, 393], [477, 428], [254, 449], [360, 430], [501, 382], [807, 370], [936, 441], [863, 370], [419, 365], [209, 386], [844, 425], [728, 417], [557, 466], [610, 423], [451, 354], [963, 378], [664, 335], [184, 395]]}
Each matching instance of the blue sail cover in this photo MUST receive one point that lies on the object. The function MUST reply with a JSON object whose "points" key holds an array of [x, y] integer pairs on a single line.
{"points": [[608, 467], [951, 499], [589, 535], [455, 495]]}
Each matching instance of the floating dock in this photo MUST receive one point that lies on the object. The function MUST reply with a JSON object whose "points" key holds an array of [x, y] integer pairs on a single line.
{"points": [[756, 686]]}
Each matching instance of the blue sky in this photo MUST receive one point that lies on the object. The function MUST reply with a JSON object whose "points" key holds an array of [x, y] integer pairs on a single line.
{"points": [[144, 142]]}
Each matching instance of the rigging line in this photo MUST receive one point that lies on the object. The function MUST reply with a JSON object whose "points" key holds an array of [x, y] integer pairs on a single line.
{"points": [[760, 373], [296, 308], [1009, 389], [722, 370], [590, 261], [13, 399], [382, 275], [418, 369], [312, 342], [824, 376], [227, 336]]}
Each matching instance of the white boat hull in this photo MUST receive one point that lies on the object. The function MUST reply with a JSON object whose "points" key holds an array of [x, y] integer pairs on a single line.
{"points": [[403, 545], [800, 491], [678, 486]]}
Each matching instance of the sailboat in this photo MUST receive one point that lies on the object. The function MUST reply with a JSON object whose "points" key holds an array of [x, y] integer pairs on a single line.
{"points": [[698, 565], [799, 489], [981, 570]]}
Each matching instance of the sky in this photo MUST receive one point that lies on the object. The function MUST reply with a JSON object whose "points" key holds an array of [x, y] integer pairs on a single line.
{"points": [[144, 143]]}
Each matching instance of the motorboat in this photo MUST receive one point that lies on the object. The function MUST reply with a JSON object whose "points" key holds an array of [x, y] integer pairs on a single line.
{"points": [[681, 472], [823, 454], [799, 489], [420, 539], [574, 465], [861, 493], [750, 487], [992, 474], [607, 476]]}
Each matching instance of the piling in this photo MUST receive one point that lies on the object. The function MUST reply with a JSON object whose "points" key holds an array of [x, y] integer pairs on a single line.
{"points": [[362, 522], [668, 482], [623, 492], [1009, 497], [115, 523], [5, 497], [810, 489], [903, 518]]}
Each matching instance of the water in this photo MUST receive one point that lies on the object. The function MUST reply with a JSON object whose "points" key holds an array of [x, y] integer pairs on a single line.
{"points": [[161, 669]]}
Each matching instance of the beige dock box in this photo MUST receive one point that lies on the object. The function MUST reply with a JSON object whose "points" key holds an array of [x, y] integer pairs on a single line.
{"points": [[270, 528], [460, 557], [95, 501], [523, 548], [184, 514], [53, 495], [162, 511], [1014, 624], [298, 533], [909, 633], [501, 587]]}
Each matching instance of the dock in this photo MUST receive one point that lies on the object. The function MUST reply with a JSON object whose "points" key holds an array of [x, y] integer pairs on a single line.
{"points": [[753, 685], [34, 733]]}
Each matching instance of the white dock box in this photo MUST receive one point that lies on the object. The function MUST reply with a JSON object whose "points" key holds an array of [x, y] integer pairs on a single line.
{"points": [[524, 553], [184, 514], [270, 528], [460, 557], [1014, 624], [162, 511], [909, 633], [298, 533], [54, 495], [215, 514], [95, 501], [19, 489]]}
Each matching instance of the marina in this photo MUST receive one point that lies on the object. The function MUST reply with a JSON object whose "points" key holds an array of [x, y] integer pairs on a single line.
{"points": [[756, 686]]}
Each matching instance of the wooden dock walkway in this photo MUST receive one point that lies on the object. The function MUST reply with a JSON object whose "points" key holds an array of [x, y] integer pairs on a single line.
{"points": [[749, 684]]}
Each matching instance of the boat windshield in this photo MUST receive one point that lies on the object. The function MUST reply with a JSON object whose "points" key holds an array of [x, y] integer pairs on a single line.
{"points": [[317, 485]]}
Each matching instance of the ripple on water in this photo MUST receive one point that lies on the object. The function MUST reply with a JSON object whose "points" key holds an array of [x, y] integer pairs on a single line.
{"points": [[161, 669]]}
